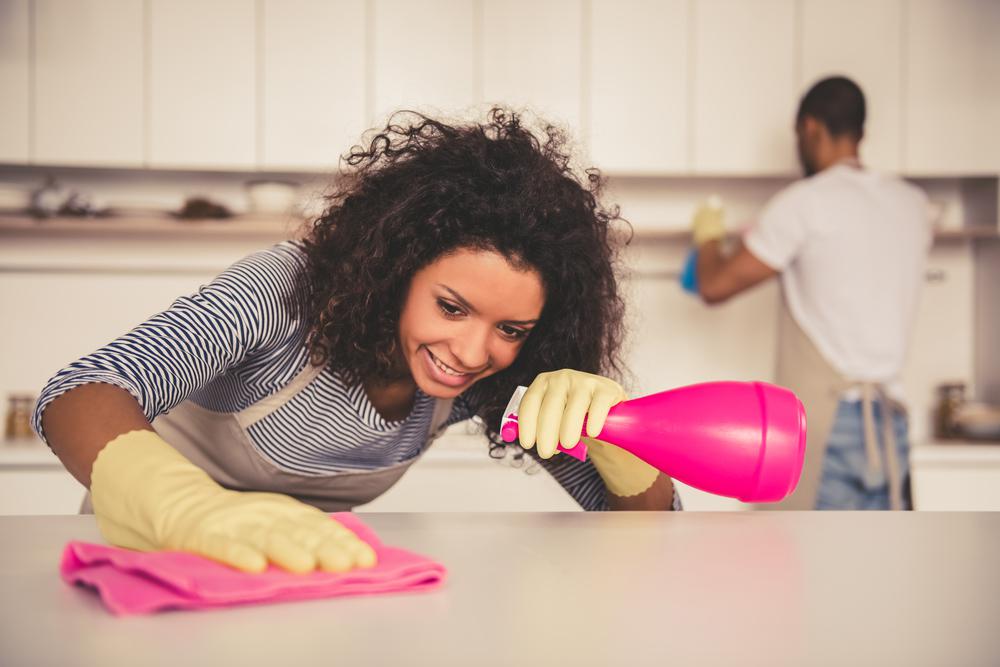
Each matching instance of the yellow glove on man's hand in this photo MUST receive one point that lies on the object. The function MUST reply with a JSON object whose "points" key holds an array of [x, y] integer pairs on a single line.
{"points": [[707, 224], [147, 496], [552, 412]]}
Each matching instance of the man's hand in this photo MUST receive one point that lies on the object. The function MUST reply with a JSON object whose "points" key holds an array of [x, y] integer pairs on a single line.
{"points": [[708, 222]]}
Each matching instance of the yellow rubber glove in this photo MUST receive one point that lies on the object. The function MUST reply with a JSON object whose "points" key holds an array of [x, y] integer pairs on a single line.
{"points": [[623, 473], [708, 224], [147, 496], [552, 411]]}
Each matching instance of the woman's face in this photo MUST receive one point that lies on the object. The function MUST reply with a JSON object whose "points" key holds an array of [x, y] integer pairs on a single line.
{"points": [[466, 317]]}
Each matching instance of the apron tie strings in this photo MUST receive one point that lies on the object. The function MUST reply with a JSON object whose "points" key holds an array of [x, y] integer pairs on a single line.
{"points": [[870, 392]]}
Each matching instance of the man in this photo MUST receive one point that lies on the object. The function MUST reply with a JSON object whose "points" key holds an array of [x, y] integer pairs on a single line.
{"points": [[850, 247]]}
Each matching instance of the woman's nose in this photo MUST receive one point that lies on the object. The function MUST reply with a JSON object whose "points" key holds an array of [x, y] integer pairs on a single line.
{"points": [[471, 349]]}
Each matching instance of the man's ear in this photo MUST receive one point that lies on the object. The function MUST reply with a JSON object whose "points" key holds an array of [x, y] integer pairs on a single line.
{"points": [[812, 128]]}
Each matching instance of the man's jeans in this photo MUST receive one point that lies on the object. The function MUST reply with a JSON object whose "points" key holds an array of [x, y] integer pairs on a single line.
{"points": [[846, 482]]}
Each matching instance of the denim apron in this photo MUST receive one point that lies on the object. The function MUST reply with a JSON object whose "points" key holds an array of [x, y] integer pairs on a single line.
{"points": [[219, 444], [802, 369]]}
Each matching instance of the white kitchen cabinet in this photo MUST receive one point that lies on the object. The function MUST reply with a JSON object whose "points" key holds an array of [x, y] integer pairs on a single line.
{"points": [[862, 40], [639, 84], [961, 477], [15, 73], [45, 302], [70, 295], [89, 82], [532, 58], [744, 86], [34, 482], [313, 82], [202, 84], [952, 99], [425, 56], [458, 475]]}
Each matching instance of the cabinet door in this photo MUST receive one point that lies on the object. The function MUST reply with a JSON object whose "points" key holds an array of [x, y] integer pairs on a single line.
{"points": [[202, 88], [532, 57], [744, 87], [313, 87], [871, 57], [88, 82], [33, 491], [638, 92], [953, 92], [425, 56], [14, 81]]}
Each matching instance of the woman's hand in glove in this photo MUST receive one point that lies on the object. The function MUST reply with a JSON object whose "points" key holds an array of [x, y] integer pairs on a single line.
{"points": [[147, 496]]}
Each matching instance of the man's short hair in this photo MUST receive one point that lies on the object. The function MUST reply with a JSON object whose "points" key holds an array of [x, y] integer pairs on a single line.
{"points": [[838, 103]]}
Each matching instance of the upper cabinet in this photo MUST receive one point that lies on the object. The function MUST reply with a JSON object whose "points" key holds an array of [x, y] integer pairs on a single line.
{"points": [[644, 87], [312, 82], [952, 96], [638, 89], [15, 81], [202, 84], [89, 82], [871, 56], [532, 58], [425, 56], [745, 89]]}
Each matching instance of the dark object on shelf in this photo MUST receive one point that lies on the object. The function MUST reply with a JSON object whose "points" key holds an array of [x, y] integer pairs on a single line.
{"points": [[199, 208], [18, 422], [951, 396], [78, 205], [978, 421]]}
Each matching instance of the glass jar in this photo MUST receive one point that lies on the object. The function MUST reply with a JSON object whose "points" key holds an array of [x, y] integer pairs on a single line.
{"points": [[18, 423], [950, 398]]}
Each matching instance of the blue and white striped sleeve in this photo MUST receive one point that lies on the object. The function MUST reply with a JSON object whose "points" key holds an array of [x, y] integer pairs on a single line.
{"points": [[175, 352]]}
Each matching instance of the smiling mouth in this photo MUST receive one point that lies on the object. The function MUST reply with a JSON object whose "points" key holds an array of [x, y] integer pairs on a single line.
{"points": [[445, 368]]}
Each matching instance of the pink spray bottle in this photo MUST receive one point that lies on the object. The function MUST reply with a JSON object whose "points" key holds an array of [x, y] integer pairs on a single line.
{"points": [[744, 440]]}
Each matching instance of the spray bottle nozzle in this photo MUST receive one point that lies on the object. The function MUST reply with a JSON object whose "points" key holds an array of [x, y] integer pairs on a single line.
{"points": [[508, 426]]}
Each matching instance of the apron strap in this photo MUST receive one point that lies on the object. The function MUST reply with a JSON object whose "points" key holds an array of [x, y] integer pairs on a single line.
{"points": [[870, 392], [442, 410], [264, 407]]}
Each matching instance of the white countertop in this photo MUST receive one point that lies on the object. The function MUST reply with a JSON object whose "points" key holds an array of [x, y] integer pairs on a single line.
{"points": [[569, 588], [955, 452]]}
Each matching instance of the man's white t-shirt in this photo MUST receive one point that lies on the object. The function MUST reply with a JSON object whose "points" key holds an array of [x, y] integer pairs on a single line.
{"points": [[851, 246]]}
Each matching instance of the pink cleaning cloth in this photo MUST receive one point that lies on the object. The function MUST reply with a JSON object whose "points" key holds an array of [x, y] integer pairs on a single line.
{"points": [[135, 582]]}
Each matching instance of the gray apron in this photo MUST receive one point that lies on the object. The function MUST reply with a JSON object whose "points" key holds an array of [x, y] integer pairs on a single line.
{"points": [[802, 369], [219, 444]]}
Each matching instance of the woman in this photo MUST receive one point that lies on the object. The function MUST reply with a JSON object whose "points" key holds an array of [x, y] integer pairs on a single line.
{"points": [[452, 264]]}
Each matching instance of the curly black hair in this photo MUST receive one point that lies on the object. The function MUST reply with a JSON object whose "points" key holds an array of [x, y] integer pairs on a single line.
{"points": [[420, 188]]}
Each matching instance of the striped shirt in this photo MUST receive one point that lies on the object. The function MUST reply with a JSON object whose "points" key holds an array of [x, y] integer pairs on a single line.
{"points": [[234, 342]]}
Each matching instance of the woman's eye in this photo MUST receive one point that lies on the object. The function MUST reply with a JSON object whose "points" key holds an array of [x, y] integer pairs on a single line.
{"points": [[511, 332], [449, 308]]}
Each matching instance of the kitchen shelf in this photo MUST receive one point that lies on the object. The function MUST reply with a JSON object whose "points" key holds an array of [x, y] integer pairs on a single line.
{"points": [[278, 228], [940, 236], [257, 227]]}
